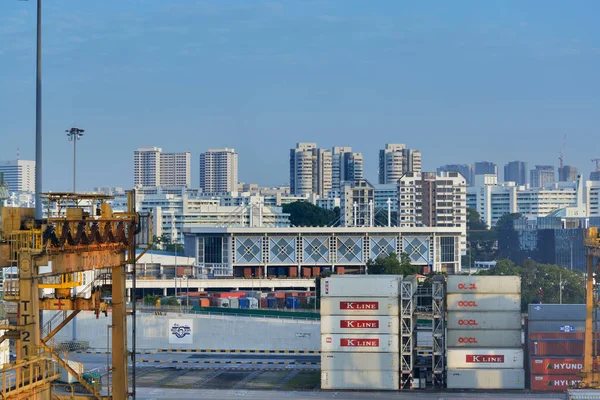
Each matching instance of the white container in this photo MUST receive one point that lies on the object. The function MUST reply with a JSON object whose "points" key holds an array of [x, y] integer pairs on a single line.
{"points": [[223, 303], [360, 361], [360, 324], [486, 379], [484, 320], [485, 358], [359, 343], [234, 302], [359, 306], [484, 284], [66, 376], [361, 285], [483, 302], [252, 303], [484, 338], [360, 380]]}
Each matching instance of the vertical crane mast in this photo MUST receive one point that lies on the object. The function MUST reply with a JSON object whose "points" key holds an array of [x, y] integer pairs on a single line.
{"points": [[590, 377], [561, 157]]}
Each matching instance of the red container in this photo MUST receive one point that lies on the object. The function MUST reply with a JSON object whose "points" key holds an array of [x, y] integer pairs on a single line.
{"points": [[339, 270], [306, 272], [556, 366], [205, 302], [293, 272], [247, 272], [554, 383], [555, 335], [556, 348], [264, 303], [316, 271], [291, 293], [180, 271]]}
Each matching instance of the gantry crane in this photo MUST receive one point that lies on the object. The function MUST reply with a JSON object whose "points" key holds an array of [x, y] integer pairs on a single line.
{"points": [[591, 375], [81, 234]]}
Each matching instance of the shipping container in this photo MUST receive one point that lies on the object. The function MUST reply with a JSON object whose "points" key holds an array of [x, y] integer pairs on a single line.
{"points": [[271, 302], [361, 285], [292, 303], [484, 320], [557, 335], [359, 343], [556, 348], [556, 312], [555, 365], [223, 303], [245, 303], [204, 301], [360, 324], [484, 338], [483, 302], [234, 302], [264, 303], [563, 326], [253, 303], [554, 383], [360, 380], [582, 394], [486, 379], [360, 361], [484, 284], [359, 306], [485, 358]]}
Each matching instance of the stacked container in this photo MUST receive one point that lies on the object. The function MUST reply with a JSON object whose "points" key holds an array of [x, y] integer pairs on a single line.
{"points": [[555, 345], [359, 332], [484, 333]]}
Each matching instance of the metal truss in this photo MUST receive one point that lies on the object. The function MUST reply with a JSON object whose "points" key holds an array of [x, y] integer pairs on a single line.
{"points": [[408, 332], [438, 363]]}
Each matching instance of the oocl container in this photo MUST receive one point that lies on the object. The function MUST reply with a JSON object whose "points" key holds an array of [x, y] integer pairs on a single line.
{"points": [[360, 361], [484, 320], [484, 284], [360, 324], [555, 366], [361, 285], [359, 343], [556, 312], [485, 358], [556, 348], [484, 338], [486, 379], [359, 306], [554, 383], [360, 380], [484, 302]]}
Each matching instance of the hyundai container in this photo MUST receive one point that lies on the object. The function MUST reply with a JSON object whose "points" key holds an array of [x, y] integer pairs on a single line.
{"points": [[485, 358], [555, 383], [350, 343], [361, 285], [360, 361], [360, 380], [484, 320], [484, 284], [360, 324], [483, 302], [556, 365], [360, 306], [483, 338], [486, 379]]}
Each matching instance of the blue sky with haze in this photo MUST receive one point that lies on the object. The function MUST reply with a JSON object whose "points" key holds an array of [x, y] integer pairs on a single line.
{"points": [[462, 81]]}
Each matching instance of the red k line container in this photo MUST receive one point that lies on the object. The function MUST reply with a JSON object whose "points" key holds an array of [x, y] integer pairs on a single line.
{"points": [[556, 365], [484, 284], [556, 348], [360, 324], [357, 343], [485, 358], [484, 302], [497, 320], [360, 306], [554, 383]]}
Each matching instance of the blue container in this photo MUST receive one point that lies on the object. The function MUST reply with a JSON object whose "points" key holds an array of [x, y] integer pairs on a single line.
{"points": [[271, 302], [292, 302], [244, 302], [281, 271]]}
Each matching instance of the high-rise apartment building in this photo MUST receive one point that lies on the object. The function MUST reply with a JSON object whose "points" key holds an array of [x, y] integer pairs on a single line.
{"points": [[219, 170], [466, 170], [542, 175], [19, 175], [567, 174], [516, 171], [346, 166], [310, 170], [396, 160], [486, 168], [152, 167], [357, 204]]}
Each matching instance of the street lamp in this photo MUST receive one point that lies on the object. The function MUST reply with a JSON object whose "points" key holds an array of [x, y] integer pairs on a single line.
{"points": [[74, 134]]}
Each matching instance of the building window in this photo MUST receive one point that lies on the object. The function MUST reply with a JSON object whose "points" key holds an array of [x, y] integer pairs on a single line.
{"points": [[213, 250], [447, 249]]}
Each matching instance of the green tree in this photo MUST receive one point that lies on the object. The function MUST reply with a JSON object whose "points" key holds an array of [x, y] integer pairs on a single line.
{"points": [[169, 301], [151, 299], [474, 221], [392, 265], [303, 213]]}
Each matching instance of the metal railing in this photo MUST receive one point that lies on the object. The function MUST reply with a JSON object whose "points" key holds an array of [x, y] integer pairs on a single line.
{"points": [[25, 376]]}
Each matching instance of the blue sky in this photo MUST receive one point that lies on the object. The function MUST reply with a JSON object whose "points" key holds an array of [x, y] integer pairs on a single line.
{"points": [[462, 81]]}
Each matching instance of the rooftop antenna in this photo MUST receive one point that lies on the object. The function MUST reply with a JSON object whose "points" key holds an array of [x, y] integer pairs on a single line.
{"points": [[18, 154], [597, 161], [561, 154]]}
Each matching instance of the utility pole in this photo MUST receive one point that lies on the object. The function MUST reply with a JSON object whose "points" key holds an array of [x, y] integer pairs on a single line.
{"points": [[74, 134], [38, 116]]}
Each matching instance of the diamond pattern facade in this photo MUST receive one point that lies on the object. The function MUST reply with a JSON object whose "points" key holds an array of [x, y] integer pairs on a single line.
{"points": [[382, 246], [282, 250], [417, 249], [248, 250], [316, 249], [349, 249]]}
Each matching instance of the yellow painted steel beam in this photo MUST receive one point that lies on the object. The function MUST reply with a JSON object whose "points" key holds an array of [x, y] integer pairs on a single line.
{"points": [[60, 326], [70, 304], [67, 281], [63, 263]]}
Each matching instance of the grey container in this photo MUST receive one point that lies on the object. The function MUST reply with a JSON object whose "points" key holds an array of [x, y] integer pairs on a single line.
{"points": [[484, 284], [484, 338], [484, 320], [556, 312], [583, 394], [556, 326], [361, 286], [360, 380], [486, 379], [483, 302]]}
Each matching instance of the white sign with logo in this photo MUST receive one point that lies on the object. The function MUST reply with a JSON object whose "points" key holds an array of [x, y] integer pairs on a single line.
{"points": [[181, 331]]}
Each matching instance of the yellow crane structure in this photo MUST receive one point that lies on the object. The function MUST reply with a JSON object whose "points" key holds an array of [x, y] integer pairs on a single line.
{"points": [[591, 375], [81, 233]]}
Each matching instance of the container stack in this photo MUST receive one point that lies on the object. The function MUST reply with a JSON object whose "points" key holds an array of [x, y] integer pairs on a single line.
{"points": [[484, 333], [555, 345], [360, 332]]}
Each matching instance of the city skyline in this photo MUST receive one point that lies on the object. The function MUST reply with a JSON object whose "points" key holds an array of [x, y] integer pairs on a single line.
{"points": [[437, 77]]}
